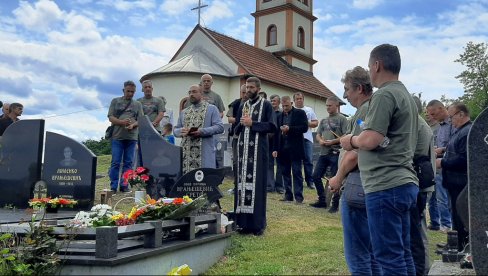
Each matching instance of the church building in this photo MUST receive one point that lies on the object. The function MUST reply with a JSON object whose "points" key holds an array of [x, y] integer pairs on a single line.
{"points": [[281, 57]]}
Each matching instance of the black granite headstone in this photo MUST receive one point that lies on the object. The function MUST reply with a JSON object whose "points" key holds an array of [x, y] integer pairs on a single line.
{"points": [[198, 182], [161, 158], [20, 162], [478, 189], [69, 170], [221, 146]]}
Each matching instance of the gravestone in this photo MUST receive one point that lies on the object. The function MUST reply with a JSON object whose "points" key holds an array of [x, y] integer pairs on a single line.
{"points": [[221, 154], [69, 170], [161, 158], [477, 191], [20, 162], [198, 182]]}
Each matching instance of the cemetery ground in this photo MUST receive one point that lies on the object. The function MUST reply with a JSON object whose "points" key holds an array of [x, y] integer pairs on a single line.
{"points": [[299, 239]]}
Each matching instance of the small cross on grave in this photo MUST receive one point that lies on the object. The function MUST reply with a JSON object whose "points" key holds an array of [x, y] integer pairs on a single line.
{"points": [[40, 190]]}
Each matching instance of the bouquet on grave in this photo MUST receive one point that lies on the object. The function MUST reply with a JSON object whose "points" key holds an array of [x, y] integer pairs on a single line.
{"points": [[137, 178], [164, 208], [99, 215], [47, 202]]}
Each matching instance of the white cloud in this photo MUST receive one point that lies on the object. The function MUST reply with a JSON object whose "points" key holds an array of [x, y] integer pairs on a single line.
{"points": [[366, 4], [173, 8], [123, 5], [217, 10], [38, 17]]}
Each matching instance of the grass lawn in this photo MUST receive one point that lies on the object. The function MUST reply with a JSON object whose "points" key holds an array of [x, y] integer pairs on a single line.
{"points": [[298, 240]]}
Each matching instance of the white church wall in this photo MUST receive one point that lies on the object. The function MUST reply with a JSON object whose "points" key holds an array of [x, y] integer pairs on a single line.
{"points": [[300, 64], [270, 4]]}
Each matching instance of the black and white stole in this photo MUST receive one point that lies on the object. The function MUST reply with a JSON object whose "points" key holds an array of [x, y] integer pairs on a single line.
{"points": [[247, 153], [192, 146]]}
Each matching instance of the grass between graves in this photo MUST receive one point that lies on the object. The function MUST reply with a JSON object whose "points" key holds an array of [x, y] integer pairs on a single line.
{"points": [[298, 240]]}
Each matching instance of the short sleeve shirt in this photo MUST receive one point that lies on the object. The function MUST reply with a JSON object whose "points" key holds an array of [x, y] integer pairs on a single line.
{"points": [[393, 113], [337, 124], [152, 107], [132, 112], [212, 98], [310, 117]]}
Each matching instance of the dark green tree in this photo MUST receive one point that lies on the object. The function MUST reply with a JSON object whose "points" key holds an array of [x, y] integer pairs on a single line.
{"points": [[101, 147], [475, 77]]}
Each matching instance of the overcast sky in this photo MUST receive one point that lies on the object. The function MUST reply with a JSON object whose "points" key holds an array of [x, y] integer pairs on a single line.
{"points": [[65, 60]]}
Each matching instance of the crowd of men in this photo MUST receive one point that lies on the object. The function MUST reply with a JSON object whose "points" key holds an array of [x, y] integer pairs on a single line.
{"points": [[371, 157]]}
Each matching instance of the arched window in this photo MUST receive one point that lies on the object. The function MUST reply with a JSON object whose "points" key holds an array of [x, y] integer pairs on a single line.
{"points": [[301, 38], [272, 35]]}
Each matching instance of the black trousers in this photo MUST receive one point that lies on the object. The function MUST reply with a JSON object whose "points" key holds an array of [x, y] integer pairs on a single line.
{"points": [[416, 243]]}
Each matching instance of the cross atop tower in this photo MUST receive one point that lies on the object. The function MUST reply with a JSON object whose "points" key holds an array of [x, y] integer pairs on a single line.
{"points": [[199, 8]]}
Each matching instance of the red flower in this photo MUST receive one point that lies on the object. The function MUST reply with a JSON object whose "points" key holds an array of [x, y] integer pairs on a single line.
{"points": [[144, 177], [141, 170], [178, 201], [63, 201]]}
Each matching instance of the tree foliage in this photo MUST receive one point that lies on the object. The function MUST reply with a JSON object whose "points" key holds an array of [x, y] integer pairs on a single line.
{"points": [[101, 147], [475, 77]]}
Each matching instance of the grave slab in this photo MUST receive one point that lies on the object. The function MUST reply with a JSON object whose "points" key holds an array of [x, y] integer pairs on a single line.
{"points": [[69, 170], [477, 191], [20, 162], [161, 158]]}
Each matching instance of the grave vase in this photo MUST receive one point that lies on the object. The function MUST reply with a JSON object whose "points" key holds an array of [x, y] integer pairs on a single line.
{"points": [[139, 196]]}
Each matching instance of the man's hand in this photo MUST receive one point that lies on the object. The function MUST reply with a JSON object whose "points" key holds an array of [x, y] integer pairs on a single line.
{"points": [[246, 121], [346, 142], [284, 129], [335, 184], [328, 142], [195, 134], [184, 131]]}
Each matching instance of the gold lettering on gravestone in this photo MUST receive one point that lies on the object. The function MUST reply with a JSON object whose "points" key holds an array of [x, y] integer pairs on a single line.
{"points": [[65, 177]]}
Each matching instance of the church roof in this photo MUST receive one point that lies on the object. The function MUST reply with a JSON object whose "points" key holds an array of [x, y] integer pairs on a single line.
{"points": [[266, 66], [198, 61], [251, 61]]}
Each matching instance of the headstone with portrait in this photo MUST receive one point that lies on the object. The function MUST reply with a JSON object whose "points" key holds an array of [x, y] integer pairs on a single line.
{"points": [[69, 170], [20, 162], [477, 190], [161, 158]]}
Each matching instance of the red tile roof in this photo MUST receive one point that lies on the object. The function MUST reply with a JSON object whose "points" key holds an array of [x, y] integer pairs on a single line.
{"points": [[268, 67]]}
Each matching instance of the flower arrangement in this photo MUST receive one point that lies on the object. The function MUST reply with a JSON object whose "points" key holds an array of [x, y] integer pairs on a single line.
{"points": [[137, 178], [47, 202], [150, 209], [99, 215]]}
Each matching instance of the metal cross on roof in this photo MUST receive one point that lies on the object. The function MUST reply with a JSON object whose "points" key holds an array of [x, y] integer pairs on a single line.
{"points": [[199, 8]]}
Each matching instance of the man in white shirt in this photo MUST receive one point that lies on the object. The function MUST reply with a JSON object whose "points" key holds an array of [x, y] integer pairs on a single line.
{"points": [[313, 122]]}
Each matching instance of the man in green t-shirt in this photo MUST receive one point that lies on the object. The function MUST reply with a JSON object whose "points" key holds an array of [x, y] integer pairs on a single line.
{"points": [[328, 134], [153, 107], [123, 114], [386, 147]]}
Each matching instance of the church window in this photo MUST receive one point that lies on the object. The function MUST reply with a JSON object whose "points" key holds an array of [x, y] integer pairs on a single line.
{"points": [[301, 38], [272, 36], [264, 1], [305, 2]]}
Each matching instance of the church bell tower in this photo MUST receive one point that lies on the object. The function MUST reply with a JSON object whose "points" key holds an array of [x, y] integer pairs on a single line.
{"points": [[285, 28]]}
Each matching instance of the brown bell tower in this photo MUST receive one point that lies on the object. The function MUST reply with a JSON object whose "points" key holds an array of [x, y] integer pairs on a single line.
{"points": [[285, 28]]}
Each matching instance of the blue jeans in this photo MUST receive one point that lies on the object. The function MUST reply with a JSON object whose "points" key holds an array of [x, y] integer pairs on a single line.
{"points": [[122, 151], [307, 161], [389, 226], [439, 212], [357, 242], [319, 171]]}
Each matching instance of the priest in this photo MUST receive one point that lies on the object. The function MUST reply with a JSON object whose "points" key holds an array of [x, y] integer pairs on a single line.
{"points": [[197, 125], [256, 121]]}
